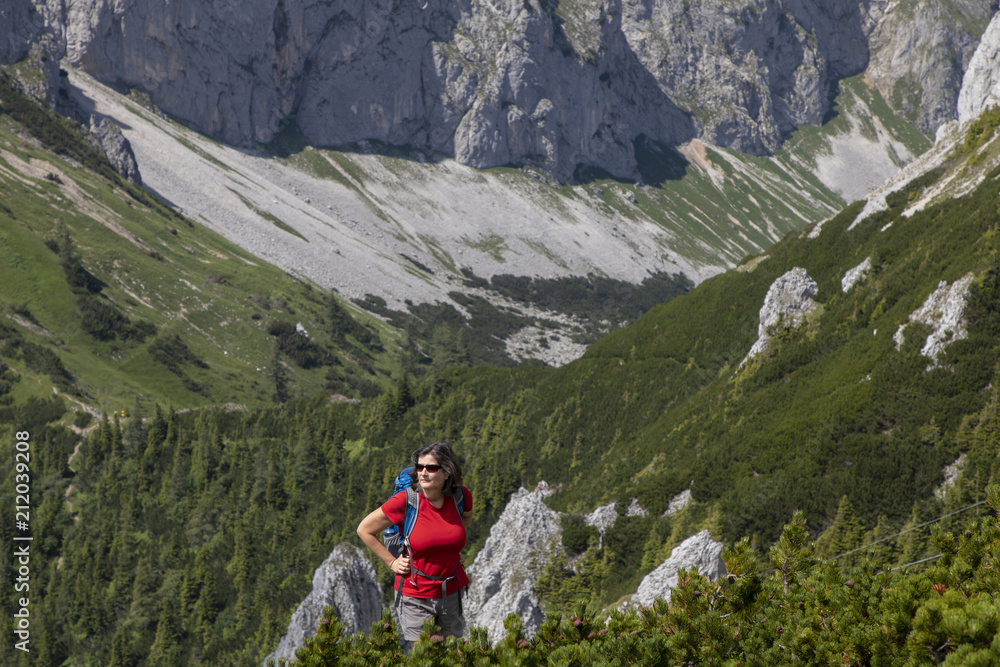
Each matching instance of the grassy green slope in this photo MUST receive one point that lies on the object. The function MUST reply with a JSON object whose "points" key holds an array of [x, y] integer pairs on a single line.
{"points": [[157, 267]]}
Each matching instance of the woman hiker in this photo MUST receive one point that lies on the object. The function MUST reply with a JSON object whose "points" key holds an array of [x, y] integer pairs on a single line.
{"points": [[429, 573]]}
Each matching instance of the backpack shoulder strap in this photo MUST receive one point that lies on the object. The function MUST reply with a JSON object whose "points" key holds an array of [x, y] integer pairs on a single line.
{"points": [[412, 510], [459, 497]]}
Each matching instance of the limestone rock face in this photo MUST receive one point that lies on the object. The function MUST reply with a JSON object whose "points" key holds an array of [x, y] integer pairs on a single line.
{"points": [[851, 278], [981, 84], [752, 71], [503, 576], [788, 302], [919, 54], [345, 581], [678, 502], [944, 312], [31, 30], [699, 551], [108, 138], [587, 83]]}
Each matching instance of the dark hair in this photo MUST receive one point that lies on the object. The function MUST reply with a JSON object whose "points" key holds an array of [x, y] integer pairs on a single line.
{"points": [[446, 458]]}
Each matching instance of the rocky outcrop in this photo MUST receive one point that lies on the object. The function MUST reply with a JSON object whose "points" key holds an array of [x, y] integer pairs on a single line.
{"points": [[503, 576], [107, 137], [952, 472], [602, 518], [635, 509], [560, 85], [944, 312], [981, 83], [345, 581], [788, 303], [851, 278], [678, 502], [699, 551]]}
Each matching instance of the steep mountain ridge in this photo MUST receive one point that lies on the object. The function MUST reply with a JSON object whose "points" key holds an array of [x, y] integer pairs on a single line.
{"points": [[556, 84]]}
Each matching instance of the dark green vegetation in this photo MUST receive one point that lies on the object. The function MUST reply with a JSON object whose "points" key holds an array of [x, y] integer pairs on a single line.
{"points": [[787, 608], [596, 300], [437, 335]]}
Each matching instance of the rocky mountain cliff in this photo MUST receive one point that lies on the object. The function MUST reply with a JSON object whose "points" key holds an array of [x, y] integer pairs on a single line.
{"points": [[699, 551], [981, 84], [506, 570], [346, 582], [556, 84]]}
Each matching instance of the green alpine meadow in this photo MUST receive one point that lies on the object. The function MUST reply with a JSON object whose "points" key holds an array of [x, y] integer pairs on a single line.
{"points": [[187, 431]]}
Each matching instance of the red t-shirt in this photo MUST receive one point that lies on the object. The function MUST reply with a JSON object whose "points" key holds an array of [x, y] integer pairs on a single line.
{"points": [[437, 539]]}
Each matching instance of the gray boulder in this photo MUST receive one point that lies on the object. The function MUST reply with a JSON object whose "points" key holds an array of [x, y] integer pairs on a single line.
{"points": [[678, 502], [788, 303], [699, 551], [345, 581], [107, 137], [504, 574], [944, 312], [852, 277]]}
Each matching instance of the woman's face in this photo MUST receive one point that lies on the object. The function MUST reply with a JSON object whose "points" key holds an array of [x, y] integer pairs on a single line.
{"points": [[430, 480]]}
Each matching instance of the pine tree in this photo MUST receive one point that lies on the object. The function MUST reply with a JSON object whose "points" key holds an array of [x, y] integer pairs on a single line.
{"points": [[279, 376], [880, 549], [166, 650], [843, 534], [792, 554]]}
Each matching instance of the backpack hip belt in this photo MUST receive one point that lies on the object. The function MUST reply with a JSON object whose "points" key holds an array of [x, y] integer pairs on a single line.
{"points": [[444, 584]]}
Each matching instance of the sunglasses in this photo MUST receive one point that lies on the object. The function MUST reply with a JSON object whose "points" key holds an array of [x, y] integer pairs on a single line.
{"points": [[429, 467]]}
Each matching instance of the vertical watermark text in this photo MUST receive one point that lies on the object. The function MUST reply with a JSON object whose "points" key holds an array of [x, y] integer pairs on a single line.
{"points": [[22, 538]]}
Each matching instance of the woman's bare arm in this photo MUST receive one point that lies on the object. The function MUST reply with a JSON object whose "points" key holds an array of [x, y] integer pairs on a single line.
{"points": [[368, 531]]}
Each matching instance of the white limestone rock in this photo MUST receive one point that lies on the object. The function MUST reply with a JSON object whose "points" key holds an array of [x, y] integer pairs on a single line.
{"points": [[345, 581], [981, 83], [852, 277], [678, 502], [699, 551], [635, 509], [944, 311], [788, 303], [952, 472], [506, 569], [603, 517], [905, 45]]}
